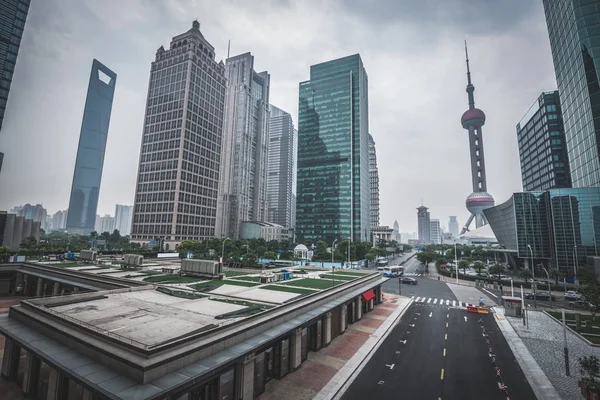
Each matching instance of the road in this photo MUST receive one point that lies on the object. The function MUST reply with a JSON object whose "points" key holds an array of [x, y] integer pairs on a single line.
{"points": [[436, 353]]}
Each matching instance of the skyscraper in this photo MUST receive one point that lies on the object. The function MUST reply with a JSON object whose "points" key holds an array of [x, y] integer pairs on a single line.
{"points": [[373, 183], [90, 152], [178, 175], [244, 152], [333, 194], [453, 226], [424, 223], [435, 231], [281, 167], [542, 146], [472, 120], [573, 27], [123, 215], [13, 14]]}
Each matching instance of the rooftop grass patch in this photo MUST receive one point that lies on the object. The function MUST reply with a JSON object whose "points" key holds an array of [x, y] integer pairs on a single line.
{"points": [[312, 283]]}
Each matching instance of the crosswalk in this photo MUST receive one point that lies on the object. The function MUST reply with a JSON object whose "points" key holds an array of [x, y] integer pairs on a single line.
{"points": [[412, 274], [440, 302]]}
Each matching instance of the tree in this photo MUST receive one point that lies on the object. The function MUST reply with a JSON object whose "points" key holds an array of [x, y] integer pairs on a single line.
{"points": [[371, 255], [478, 265], [464, 265], [4, 254], [591, 294], [321, 253], [249, 260], [497, 270], [556, 274], [426, 257], [526, 274], [28, 243], [270, 255]]}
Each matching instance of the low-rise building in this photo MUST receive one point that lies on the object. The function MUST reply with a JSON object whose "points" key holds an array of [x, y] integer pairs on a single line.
{"points": [[266, 230], [379, 233], [14, 229]]}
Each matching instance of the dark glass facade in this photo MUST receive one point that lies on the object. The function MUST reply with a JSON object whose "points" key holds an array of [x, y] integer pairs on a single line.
{"points": [[560, 225], [574, 30], [13, 14], [83, 202], [333, 193], [542, 145]]}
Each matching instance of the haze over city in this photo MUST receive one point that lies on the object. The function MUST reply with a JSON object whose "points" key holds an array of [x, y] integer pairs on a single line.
{"points": [[413, 54]]}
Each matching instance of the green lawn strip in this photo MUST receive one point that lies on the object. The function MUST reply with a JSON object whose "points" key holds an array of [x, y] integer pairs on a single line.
{"points": [[338, 277], [242, 303], [571, 316], [593, 339], [351, 273], [289, 289], [229, 274], [216, 284], [170, 279], [247, 278], [312, 283]]}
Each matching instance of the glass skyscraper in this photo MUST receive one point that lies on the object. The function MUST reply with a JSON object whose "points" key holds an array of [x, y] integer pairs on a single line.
{"points": [[333, 193], [83, 202], [542, 146], [178, 174], [574, 29], [374, 183]]}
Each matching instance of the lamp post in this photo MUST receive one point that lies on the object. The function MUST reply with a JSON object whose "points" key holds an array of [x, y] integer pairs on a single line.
{"points": [[332, 261], [456, 261], [533, 278], [223, 250], [574, 263], [549, 289], [349, 241]]}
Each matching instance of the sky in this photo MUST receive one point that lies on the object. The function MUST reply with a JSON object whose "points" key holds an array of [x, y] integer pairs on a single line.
{"points": [[413, 51]]}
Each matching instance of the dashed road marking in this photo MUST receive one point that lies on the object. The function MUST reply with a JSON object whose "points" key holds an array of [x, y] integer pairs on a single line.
{"points": [[390, 366], [442, 374], [429, 300], [446, 336], [430, 314], [444, 352], [435, 301], [446, 324]]}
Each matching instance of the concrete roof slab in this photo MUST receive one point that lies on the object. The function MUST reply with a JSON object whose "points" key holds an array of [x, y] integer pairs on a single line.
{"points": [[118, 384], [88, 369], [139, 392], [170, 380], [101, 376], [193, 370]]}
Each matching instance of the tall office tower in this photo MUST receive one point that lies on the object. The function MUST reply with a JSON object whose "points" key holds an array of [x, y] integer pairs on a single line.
{"points": [[13, 14], [244, 152], [472, 120], [453, 226], [373, 183], [333, 193], [542, 146], [280, 168], [396, 232], [87, 176], [573, 27], [178, 174], [123, 216], [435, 231], [424, 225]]}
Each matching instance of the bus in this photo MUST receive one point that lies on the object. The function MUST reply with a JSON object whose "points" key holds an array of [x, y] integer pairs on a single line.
{"points": [[281, 264], [392, 271], [381, 262]]}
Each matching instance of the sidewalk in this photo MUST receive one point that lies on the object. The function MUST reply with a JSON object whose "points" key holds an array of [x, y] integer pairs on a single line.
{"points": [[327, 371]]}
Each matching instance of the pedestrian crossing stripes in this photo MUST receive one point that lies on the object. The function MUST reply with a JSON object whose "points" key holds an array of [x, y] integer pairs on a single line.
{"points": [[412, 274], [440, 302]]}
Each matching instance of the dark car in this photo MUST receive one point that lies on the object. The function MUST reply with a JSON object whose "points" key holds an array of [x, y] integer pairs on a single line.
{"points": [[410, 281], [540, 296]]}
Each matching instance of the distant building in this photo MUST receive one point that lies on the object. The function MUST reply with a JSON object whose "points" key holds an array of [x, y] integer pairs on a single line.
{"points": [[12, 24], [281, 168], [396, 232], [105, 224], [542, 146], [123, 217], [424, 223], [59, 220], [453, 226], [89, 163], [381, 233], [14, 229], [245, 147], [266, 230], [374, 183], [28, 211], [176, 192], [334, 197], [435, 231]]}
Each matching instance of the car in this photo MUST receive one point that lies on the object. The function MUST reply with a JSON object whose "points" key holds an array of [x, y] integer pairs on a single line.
{"points": [[540, 296], [410, 281], [573, 295], [579, 304]]}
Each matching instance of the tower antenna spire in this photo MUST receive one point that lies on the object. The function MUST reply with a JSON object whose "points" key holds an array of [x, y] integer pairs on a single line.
{"points": [[470, 87], [467, 58], [228, 47]]}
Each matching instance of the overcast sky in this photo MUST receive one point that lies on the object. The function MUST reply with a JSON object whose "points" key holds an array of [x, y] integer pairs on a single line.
{"points": [[412, 50]]}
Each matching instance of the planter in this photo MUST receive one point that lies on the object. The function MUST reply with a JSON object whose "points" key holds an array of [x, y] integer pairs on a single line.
{"points": [[587, 392]]}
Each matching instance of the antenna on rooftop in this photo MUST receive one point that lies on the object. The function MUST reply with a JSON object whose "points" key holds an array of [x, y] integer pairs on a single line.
{"points": [[228, 47]]}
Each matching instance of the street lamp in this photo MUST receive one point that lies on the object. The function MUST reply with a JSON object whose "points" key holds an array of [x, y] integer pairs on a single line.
{"points": [[574, 263], [332, 261], [223, 250], [456, 262], [533, 278], [549, 290], [349, 241]]}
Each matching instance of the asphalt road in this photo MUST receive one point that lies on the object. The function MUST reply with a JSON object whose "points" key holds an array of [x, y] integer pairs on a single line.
{"points": [[435, 353]]}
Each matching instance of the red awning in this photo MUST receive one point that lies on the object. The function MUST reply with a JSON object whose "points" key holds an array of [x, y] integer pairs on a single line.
{"points": [[366, 296]]}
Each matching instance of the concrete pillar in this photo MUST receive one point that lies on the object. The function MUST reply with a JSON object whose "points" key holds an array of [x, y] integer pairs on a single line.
{"points": [[296, 349], [75, 289], [343, 319], [327, 329], [40, 287], [87, 395], [56, 289], [10, 359], [358, 308], [31, 376], [248, 378], [19, 286], [55, 380], [371, 304]]}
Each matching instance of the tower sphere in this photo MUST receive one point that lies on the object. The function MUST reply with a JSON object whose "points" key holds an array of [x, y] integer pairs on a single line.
{"points": [[473, 117], [479, 201]]}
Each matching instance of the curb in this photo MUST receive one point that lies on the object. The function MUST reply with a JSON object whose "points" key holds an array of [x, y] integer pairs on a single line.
{"points": [[539, 382], [588, 342], [336, 388]]}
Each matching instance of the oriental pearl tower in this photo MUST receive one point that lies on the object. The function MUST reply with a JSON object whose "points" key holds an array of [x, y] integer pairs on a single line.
{"points": [[472, 120]]}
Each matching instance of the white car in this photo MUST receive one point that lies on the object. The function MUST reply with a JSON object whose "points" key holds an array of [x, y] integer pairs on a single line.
{"points": [[573, 295]]}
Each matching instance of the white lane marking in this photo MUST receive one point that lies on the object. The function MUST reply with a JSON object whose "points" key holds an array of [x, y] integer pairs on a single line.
{"points": [[411, 325], [390, 366], [489, 292], [453, 303], [435, 301], [429, 301], [430, 314], [447, 302], [380, 382], [417, 313], [460, 304], [418, 299], [465, 318], [402, 341], [448, 315]]}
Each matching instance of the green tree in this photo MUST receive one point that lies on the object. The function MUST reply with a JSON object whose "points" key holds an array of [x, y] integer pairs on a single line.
{"points": [[249, 260], [28, 243], [270, 255], [556, 274], [426, 257], [464, 265], [526, 274], [478, 265], [591, 294], [371, 255], [362, 249], [321, 253], [4, 254], [497, 269]]}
